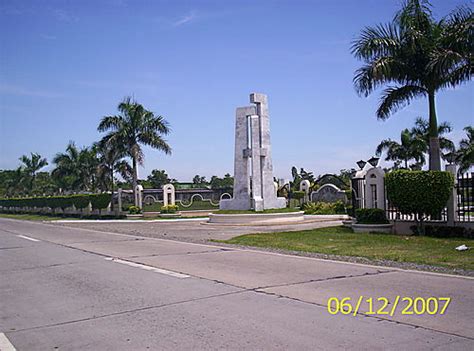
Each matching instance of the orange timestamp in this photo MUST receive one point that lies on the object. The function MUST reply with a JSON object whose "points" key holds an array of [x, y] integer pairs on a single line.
{"points": [[383, 306]]}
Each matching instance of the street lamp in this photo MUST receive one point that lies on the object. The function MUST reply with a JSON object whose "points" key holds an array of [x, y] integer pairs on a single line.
{"points": [[374, 161], [361, 164]]}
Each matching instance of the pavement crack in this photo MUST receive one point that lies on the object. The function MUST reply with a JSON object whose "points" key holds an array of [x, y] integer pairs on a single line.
{"points": [[54, 265], [181, 254], [135, 310], [366, 274]]}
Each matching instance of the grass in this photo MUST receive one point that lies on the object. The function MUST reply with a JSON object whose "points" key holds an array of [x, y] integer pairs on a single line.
{"points": [[33, 217], [273, 210], [342, 241]]}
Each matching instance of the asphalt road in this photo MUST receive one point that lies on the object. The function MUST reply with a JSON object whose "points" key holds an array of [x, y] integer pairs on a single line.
{"points": [[67, 288]]}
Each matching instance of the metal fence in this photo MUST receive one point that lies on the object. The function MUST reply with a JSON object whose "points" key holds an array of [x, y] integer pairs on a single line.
{"points": [[465, 197], [392, 213]]}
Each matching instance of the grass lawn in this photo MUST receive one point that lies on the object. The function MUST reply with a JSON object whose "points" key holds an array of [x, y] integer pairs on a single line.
{"points": [[342, 241], [33, 217], [273, 210]]}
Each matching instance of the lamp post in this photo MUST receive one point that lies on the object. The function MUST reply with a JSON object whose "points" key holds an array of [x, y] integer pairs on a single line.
{"points": [[361, 164]]}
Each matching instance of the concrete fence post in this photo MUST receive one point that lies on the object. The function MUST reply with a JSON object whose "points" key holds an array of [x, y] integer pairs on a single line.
{"points": [[452, 202]]}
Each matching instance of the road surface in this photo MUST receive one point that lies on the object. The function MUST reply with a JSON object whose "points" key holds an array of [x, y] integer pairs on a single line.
{"points": [[65, 288]]}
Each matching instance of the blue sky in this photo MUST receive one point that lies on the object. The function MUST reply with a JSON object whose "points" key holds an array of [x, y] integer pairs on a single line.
{"points": [[65, 64]]}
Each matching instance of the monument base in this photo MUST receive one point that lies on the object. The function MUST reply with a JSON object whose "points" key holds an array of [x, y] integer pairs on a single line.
{"points": [[257, 218], [245, 204]]}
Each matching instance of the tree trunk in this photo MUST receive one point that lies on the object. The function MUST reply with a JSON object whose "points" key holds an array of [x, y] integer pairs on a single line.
{"points": [[112, 190], [434, 148], [135, 180]]}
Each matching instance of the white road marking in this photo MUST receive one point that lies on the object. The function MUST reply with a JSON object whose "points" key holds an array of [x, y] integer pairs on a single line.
{"points": [[27, 238], [5, 344], [148, 268]]}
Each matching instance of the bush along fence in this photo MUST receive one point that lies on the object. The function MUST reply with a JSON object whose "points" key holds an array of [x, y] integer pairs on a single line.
{"points": [[415, 199], [72, 205]]}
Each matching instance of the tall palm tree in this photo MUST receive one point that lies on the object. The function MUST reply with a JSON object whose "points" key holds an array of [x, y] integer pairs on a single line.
{"points": [[465, 154], [410, 148], [76, 168], [31, 165], [422, 130], [416, 56], [133, 127]]}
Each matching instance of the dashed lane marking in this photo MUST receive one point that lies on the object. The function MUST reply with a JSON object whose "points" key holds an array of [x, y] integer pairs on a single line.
{"points": [[148, 268], [27, 238]]}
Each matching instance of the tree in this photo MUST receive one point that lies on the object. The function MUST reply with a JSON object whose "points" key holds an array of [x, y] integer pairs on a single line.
{"points": [[31, 165], [222, 183], [76, 169], [415, 56], [133, 127], [111, 161], [421, 130], [410, 148], [13, 182], [198, 180], [158, 178], [465, 154]]}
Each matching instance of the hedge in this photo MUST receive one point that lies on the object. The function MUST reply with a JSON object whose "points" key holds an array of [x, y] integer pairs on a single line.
{"points": [[371, 216], [98, 201], [419, 193]]}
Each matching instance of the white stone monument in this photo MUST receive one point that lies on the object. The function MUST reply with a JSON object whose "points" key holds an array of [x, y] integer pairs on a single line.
{"points": [[253, 169], [168, 195]]}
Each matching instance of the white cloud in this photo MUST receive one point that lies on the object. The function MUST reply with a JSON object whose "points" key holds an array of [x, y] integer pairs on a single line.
{"points": [[17, 90], [64, 16], [185, 19]]}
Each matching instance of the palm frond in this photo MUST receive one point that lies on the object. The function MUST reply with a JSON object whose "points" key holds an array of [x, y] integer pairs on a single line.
{"points": [[110, 123], [375, 42], [394, 98]]}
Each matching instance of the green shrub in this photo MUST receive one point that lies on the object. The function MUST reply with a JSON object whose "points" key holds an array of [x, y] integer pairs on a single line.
{"points": [[324, 208], [80, 201], [134, 210], [371, 216], [169, 209], [100, 201], [419, 193], [297, 194]]}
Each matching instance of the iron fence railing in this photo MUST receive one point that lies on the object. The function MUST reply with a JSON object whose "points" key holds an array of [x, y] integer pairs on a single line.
{"points": [[465, 197]]}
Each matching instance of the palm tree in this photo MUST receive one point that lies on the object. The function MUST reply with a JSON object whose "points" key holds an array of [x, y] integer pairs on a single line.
{"points": [[415, 56], [133, 127], [110, 162], [76, 168], [422, 130], [465, 154], [410, 148], [31, 165]]}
